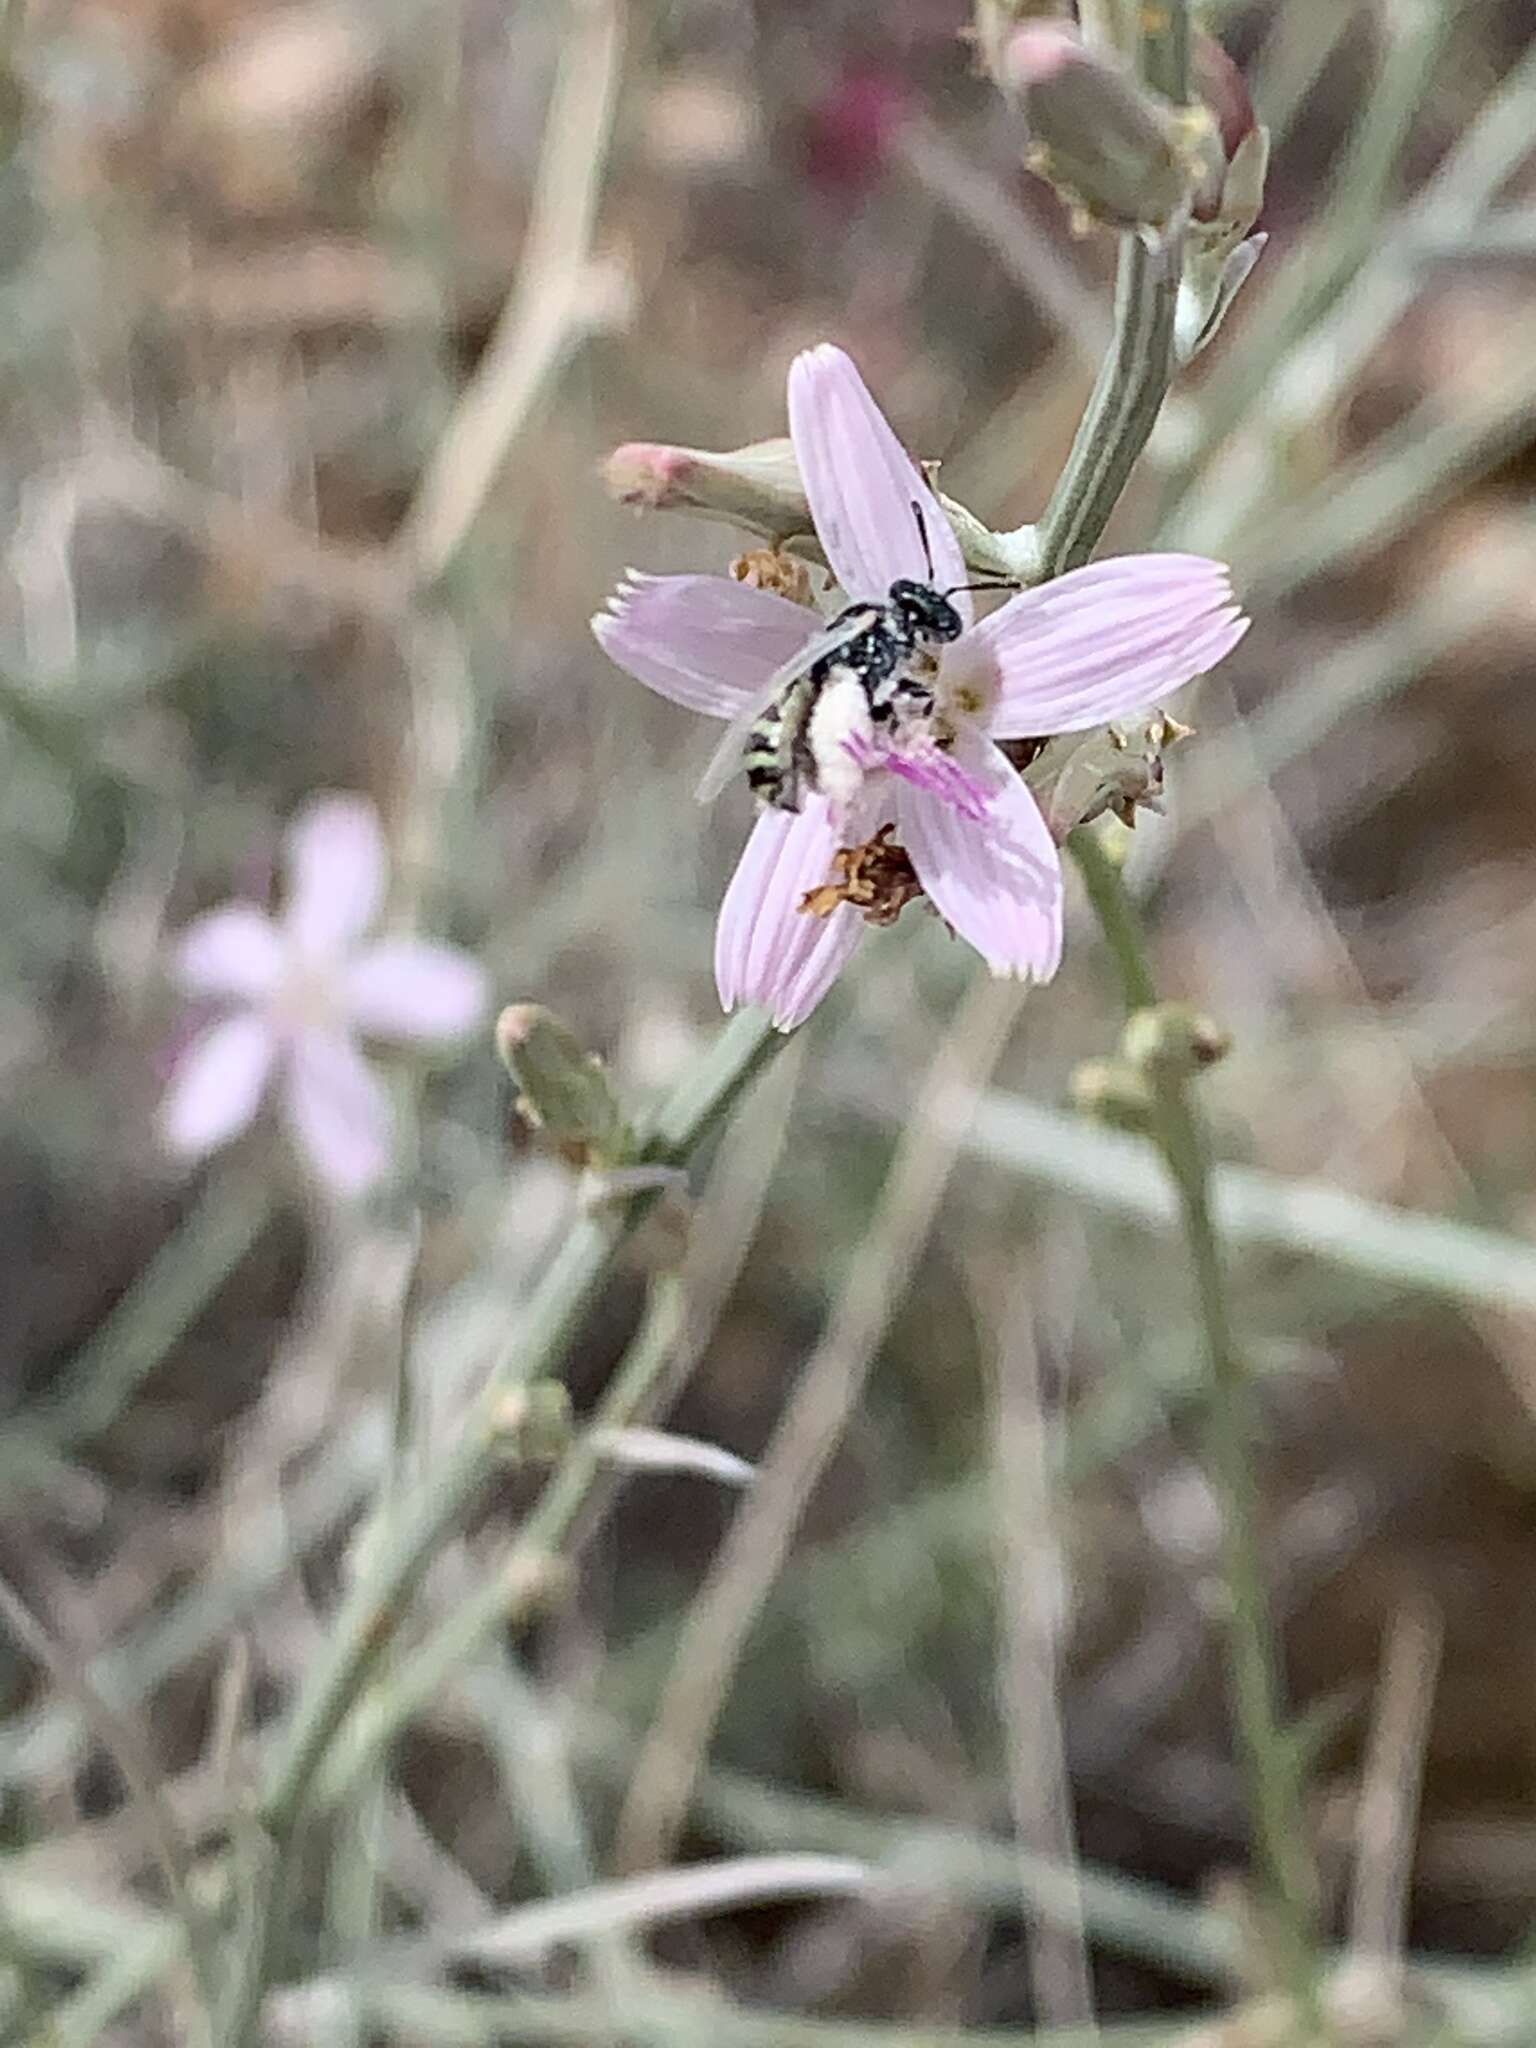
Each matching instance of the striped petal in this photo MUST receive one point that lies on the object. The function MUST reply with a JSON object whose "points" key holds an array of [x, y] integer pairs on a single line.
{"points": [[767, 949], [997, 882], [863, 485], [707, 642], [1098, 643]]}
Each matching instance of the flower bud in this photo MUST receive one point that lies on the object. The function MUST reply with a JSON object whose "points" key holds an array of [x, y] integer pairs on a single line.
{"points": [[1221, 249], [758, 486], [1171, 1042], [533, 1424], [1119, 768], [566, 1094], [1114, 1092], [1112, 148], [1223, 90], [995, 20]]}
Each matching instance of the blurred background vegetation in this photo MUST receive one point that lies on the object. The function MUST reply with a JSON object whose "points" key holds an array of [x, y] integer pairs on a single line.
{"points": [[255, 265]]}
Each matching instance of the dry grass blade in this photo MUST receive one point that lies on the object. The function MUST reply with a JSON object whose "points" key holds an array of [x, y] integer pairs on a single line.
{"points": [[560, 293], [810, 1428], [1032, 1597]]}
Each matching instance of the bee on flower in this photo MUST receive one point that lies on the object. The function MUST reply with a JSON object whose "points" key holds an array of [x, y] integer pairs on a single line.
{"points": [[875, 743]]}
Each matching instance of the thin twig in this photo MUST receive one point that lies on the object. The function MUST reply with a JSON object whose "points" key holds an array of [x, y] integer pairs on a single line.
{"points": [[808, 1431], [1387, 1816], [1120, 416], [372, 1612], [978, 199], [161, 1830], [1268, 1755], [1032, 1574], [559, 295], [670, 1341]]}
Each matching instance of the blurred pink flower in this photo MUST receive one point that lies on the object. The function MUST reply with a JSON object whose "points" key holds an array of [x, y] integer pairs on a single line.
{"points": [[849, 128], [1088, 648], [301, 991]]}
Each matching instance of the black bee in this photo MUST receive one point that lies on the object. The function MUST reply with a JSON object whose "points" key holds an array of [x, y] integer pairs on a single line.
{"points": [[886, 649]]}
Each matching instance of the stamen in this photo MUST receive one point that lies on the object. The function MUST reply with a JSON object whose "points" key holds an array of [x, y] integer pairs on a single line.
{"points": [[877, 877], [772, 570]]}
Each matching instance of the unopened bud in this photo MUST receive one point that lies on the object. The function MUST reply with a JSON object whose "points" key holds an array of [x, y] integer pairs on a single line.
{"points": [[1114, 1092], [1118, 768], [534, 1423], [1111, 147], [1172, 1042], [995, 21], [1221, 248], [1223, 90], [757, 487], [566, 1092]]}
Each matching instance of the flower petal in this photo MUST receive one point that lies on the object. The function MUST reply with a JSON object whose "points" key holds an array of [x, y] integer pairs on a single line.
{"points": [[217, 1085], [767, 949], [706, 642], [235, 951], [336, 869], [862, 485], [999, 882], [339, 1112], [408, 988], [1100, 642]]}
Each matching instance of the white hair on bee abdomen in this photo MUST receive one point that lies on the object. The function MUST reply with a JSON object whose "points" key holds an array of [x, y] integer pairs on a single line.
{"points": [[841, 735]]}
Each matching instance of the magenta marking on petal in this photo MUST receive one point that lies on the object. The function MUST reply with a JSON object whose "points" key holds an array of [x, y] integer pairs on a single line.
{"points": [[942, 776]]}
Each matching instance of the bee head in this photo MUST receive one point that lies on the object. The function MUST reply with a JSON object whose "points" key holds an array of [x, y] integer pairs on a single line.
{"points": [[922, 609]]}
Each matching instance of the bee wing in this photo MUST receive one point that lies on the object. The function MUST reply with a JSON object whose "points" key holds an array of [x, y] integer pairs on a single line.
{"points": [[726, 758]]}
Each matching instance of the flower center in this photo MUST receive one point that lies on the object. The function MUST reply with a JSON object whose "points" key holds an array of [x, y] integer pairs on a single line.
{"points": [[308, 999]]}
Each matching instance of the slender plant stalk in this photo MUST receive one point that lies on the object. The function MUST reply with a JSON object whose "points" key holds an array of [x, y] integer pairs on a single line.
{"points": [[807, 1433], [372, 1611], [1133, 379], [1120, 417], [1267, 1753]]}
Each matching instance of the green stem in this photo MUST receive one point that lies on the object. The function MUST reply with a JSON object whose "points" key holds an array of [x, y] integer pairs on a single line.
{"points": [[1267, 1754], [1122, 410], [1133, 379], [373, 1610], [1120, 416], [505, 1597]]}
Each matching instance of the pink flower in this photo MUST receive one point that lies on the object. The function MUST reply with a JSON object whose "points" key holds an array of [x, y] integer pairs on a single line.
{"points": [[301, 991], [1091, 647]]}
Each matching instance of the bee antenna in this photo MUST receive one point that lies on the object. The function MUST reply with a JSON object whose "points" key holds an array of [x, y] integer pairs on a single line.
{"points": [[997, 583], [922, 528]]}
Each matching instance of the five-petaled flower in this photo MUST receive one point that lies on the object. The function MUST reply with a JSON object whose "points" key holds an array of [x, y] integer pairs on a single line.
{"points": [[1093, 646], [300, 991]]}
